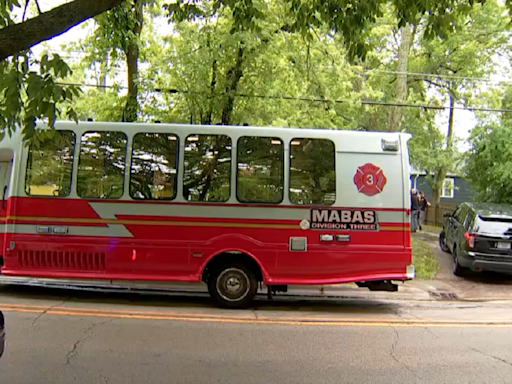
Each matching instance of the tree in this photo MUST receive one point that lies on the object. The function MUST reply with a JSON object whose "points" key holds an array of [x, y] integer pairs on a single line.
{"points": [[351, 19], [453, 62], [396, 113], [489, 161], [18, 37], [120, 29], [29, 87]]}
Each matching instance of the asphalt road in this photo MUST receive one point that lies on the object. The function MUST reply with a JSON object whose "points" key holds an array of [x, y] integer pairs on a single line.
{"points": [[63, 337]]}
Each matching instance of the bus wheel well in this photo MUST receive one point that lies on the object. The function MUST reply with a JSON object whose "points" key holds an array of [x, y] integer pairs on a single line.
{"points": [[230, 258]]}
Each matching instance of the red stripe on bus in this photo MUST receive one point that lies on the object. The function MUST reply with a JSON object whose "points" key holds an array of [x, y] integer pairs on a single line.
{"points": [[159, 220], [65, 203]]}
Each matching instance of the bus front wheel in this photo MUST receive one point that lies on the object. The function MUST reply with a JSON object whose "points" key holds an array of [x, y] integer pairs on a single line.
{"points": [[233, 286]]}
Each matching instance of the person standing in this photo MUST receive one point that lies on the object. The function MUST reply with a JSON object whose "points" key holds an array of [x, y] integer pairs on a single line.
{"points": [[424, 203], [415, 210]]}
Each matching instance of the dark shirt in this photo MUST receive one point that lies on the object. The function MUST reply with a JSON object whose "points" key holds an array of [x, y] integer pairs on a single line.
{"points": [[423, 204], [415, 204]]}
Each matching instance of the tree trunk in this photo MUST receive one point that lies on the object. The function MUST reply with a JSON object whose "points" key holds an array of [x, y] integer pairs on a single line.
{"points": [[103, 73], [132, 63], [233, 77], [19, 37], [435, 203], [449, 134], [213, 83], [396, 113], [438, 182]]}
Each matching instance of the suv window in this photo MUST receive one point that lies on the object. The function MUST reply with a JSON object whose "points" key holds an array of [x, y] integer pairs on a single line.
{"points": [[470, 219], [493, 226], [460, 213]]}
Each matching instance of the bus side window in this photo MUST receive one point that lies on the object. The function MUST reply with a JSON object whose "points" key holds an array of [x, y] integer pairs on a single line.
{"points": [[101, 165], [312, 171], [207, 168], [50, 163], [154, 166], [260, 170]]}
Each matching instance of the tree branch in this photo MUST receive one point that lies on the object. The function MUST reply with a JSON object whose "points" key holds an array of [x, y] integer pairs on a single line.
{"points": [[25, 10], [437, 84], [38, 7], [19, 37], [448, 68]]}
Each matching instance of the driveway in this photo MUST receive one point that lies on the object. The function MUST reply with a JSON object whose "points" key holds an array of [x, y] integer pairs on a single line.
{"points": [[475, 286]]}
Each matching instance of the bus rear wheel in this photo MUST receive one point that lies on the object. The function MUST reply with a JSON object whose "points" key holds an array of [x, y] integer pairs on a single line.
{"points": [[233, 286]]}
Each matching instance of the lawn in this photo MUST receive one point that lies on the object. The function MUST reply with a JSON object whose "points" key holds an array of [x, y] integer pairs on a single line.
{"points": [[432, 228], [423, 259]]}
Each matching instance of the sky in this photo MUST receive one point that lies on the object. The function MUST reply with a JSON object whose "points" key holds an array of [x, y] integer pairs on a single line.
{"points": [[464, 120]]}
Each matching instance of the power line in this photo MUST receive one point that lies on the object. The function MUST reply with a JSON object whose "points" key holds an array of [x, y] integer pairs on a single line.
{"points": [[122, 72], [305, 99], [370, 71], [441, 76]]}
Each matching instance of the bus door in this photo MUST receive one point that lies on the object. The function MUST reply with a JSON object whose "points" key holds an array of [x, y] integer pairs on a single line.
{"points": [[5, 179]]}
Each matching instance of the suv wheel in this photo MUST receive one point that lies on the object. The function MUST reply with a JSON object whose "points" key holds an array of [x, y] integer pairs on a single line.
{"points": [[442, 242], [458, 270], [233, 286]]}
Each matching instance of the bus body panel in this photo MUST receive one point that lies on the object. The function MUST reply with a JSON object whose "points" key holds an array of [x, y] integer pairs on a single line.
{"points": [[127, 239]]}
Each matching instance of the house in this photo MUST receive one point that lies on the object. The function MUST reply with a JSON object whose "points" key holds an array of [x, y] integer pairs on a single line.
{"points": [[455, 190]]}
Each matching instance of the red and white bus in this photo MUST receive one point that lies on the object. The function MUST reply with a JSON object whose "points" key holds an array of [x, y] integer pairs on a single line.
{"points": [[231, 206]]}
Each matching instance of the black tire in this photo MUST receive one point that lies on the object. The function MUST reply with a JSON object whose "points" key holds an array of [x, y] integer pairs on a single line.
{"points": [[458, 270], [442, 242], [233, 285]]}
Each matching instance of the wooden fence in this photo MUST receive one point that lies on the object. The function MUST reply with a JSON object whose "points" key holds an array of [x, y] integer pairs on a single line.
{"points": [[435, 213]]}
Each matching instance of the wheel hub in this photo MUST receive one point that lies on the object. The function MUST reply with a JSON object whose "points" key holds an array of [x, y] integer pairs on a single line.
{"points": [[233, 284]]}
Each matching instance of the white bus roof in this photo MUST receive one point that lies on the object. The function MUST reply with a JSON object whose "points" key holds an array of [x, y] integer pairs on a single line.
{"points": [[345, 140]]}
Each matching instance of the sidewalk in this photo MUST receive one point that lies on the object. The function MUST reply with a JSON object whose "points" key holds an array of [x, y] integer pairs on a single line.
{"points": [[407, 291]]}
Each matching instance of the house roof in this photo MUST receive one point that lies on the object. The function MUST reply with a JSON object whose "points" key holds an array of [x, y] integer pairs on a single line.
{"points": [[418, 172]]}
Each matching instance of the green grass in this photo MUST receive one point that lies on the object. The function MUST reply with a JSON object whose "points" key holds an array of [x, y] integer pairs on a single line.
{"points": [[432, 228], [423, 259]]}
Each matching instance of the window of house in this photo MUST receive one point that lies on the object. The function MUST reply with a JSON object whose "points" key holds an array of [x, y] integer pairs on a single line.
{"points": [[154, 166], [312, 171], [50, 163], [102, 164], [260, 170], [448, 189], [207, 168]]}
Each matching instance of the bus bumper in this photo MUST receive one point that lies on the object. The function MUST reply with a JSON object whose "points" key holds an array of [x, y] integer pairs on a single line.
{"points": [[410, 272]]}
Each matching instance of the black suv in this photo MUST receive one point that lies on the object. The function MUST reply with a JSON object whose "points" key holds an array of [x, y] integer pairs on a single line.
{"points": [[479, 236]]}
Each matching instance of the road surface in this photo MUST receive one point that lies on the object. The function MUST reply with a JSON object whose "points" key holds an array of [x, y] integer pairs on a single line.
{"points": [[63, 337]]}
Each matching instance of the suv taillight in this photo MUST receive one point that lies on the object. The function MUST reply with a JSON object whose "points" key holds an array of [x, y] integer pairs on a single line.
{"points": [[470, 239]]}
